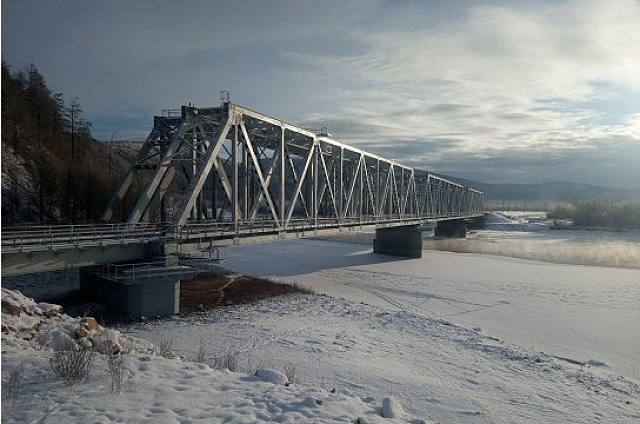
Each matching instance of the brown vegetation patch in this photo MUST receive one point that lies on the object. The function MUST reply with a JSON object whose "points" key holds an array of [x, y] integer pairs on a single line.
{"points": [[204, 293]]}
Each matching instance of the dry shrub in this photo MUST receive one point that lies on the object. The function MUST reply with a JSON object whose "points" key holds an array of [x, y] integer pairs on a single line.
{"points": [[13, 385], [165, 346], [227, 361], [252, 366], [72, 362], [292, 373], [201, 356], [114, 368], [204, 293]]}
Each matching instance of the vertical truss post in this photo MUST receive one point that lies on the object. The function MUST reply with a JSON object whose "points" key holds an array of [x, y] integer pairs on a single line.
{"points": [[245, 183], [341, 190], [234, 164], [377, 205], [316, 152], [283, 176]]}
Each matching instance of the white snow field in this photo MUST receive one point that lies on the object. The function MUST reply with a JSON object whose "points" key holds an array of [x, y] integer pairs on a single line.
{"points": [[580, 313], [435, 369], [448, 338], [154, 389], [454, 337]]}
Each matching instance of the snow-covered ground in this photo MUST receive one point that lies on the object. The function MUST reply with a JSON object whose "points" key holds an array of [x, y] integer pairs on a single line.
{"points": [[154, 389], [454, 337], [437, 370], [520, 328]]}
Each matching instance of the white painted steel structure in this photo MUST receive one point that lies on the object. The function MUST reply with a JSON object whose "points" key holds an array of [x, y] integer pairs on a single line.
{"points": [[234, 166], [209, 177]]}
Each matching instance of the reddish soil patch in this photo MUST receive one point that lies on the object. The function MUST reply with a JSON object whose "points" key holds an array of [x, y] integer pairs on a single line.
{"points": [[204, 293]]}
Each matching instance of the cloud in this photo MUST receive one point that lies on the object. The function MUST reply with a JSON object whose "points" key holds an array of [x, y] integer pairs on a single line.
{"points": [[511, 83], [519, 91]]}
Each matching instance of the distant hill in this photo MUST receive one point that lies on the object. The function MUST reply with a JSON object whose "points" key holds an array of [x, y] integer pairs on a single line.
{"points": [[546, 192]]}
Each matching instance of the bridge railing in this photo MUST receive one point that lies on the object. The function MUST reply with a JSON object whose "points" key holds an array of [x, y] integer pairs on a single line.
{"points": [[212, 229], [188, 267], [39, 237]]}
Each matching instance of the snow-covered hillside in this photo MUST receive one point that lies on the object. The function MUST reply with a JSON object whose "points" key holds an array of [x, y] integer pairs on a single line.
{"points": [[154, 389]]}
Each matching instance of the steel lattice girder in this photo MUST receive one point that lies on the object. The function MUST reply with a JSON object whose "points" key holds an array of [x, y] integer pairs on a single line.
{"points": [[270, 171]]}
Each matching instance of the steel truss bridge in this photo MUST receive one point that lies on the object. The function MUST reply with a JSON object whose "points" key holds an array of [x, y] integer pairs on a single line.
{"points": [[213, 176]]}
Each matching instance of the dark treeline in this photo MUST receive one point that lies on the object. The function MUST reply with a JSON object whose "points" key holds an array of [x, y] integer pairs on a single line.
{"points": [[53, 171], [600, 213]]}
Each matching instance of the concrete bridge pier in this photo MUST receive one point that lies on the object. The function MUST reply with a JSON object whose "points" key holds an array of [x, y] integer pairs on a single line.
{"points": [[150, 287], [477, 222], [454, 228], [157, 296], [405, 241]]}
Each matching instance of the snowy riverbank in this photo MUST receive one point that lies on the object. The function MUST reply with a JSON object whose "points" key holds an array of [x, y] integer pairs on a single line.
{"points": [[153, 388], [438, 370]]}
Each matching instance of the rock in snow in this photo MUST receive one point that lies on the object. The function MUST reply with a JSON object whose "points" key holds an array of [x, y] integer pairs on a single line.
{"points": [[272, 376], [11, 308], [50, 309], [391, 408]]}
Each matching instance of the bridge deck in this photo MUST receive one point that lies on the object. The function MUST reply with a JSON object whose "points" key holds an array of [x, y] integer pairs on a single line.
{"points": [[65, 237]]}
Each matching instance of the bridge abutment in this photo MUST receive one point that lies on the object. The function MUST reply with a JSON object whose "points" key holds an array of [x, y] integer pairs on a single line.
{"points": [[405, 241], [454, 228], [134, 297]]}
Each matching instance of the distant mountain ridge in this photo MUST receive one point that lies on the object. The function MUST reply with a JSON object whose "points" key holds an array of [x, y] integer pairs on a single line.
{"points": [[557, 191]]}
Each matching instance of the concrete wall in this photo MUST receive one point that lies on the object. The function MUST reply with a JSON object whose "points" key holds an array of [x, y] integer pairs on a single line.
{"points": [[454, 228], [405, 241], [151, 297], [477, 222]]}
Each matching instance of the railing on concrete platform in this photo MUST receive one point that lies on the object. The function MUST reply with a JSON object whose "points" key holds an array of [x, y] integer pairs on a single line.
{"points": [[187, 267]]}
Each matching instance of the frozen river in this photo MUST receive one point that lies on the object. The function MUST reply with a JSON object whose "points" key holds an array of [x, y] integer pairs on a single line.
{"points": [[583, 313]]}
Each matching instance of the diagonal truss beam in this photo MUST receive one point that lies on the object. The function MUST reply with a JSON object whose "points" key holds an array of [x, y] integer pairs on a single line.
{"points": [[353, 186], [203, 172], [258, 169], [143, 201], [301, 181]]}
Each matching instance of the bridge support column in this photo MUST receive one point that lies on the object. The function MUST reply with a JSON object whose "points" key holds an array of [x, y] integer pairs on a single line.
{"points": [[403, 241], [157, 296], [454, 228], [477, 223]]}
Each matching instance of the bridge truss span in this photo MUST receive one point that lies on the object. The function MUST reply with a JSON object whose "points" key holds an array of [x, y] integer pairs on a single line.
{"points": [[235, 168]]}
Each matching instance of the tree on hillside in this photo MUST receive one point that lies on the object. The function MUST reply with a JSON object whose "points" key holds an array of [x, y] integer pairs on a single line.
{"points": [[53, 169]]}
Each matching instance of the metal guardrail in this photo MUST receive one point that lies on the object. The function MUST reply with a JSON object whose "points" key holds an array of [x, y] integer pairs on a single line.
{"points": [[54, 237], [131, 272]]}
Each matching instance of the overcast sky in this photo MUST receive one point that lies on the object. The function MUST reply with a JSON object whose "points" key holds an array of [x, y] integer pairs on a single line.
{"points": [[499, 91]]}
